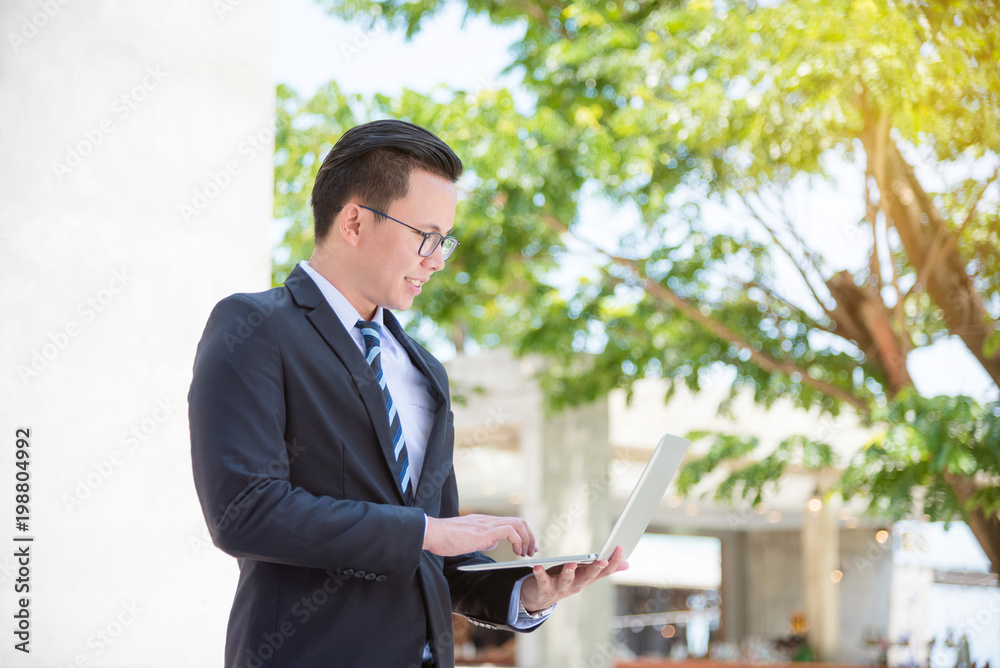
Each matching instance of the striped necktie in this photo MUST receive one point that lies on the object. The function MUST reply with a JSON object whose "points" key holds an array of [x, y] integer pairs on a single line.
{"points": [[373, 354]]}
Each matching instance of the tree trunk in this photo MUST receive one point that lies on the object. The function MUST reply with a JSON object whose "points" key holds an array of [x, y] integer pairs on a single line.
{"points": [[862, 317], [932, 248], [986, 528]]}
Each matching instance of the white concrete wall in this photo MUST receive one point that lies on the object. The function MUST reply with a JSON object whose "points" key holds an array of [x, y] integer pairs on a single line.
{"points": [[774, 582], [114, 116], [571, 514], [864, 593], [773, 589]]}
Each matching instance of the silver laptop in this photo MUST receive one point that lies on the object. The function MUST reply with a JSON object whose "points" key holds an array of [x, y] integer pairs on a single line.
{"points": [[635, 516]]}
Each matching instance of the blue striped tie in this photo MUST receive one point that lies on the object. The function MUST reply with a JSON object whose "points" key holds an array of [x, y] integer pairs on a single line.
{"points": [[373, 354]]}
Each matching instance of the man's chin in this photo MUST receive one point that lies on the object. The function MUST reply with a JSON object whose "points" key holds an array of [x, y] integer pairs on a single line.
{"points": [[400, 304]]}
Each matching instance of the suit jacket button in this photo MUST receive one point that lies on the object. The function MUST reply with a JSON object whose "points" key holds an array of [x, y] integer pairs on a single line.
{"points": [[370, 576], [348, 572], [381, 578], [359, 574]]}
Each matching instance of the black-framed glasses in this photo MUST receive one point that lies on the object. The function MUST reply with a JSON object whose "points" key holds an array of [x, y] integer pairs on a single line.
{"points": [[431, 239]]}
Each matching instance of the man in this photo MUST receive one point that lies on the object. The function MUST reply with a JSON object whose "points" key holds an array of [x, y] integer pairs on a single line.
{"points": [[322, 437]]}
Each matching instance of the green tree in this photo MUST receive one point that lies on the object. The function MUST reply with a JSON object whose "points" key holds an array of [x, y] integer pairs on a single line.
{"points": [[663, 109]]}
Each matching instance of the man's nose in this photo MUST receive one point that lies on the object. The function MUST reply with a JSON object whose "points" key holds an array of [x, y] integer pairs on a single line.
{"points": [[435, 261]]}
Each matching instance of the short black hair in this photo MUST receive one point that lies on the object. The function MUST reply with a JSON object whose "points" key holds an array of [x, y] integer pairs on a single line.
{"points": [[373, 162]]}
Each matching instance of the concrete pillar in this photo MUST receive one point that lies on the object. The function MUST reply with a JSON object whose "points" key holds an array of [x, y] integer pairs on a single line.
{"points": [[735, 576], [136, 186], [820, 558], [571, 512]]}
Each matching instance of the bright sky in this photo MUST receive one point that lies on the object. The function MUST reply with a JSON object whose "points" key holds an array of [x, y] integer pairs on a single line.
{"points": [[311, 48]]}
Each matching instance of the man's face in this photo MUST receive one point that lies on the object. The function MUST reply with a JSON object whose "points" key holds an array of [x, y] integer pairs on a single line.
{"points": [[392, 272]]}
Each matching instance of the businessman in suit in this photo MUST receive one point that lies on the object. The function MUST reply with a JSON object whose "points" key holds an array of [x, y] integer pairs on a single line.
{"points": [[322, 438]]}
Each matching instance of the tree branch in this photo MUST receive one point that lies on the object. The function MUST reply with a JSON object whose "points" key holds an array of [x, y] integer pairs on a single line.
{"points": [[760, 219], [773, 294], [535, 11], [975, 201], [660, 292], [808, 254], [938, 245], [871, 213]]}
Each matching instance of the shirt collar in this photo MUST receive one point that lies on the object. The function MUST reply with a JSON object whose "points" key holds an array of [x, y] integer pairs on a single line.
{"points": [[347, 314]]}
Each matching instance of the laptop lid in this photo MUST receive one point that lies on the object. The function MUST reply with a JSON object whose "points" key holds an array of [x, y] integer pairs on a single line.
{"points": [[646, 496], [635, 515]]}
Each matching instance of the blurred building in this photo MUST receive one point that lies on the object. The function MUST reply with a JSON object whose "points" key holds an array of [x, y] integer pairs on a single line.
{"points": [[729, 581]]}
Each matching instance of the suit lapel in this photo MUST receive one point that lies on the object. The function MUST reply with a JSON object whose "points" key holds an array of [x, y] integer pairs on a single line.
{"points": [[308, 296], [416, 355]]}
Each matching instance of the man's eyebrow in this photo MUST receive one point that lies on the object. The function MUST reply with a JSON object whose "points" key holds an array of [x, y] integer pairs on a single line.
{"points": [[434, 227]]}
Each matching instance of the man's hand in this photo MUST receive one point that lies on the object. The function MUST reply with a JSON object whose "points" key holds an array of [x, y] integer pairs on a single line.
{"points": [[549, 587], [451, 536]]}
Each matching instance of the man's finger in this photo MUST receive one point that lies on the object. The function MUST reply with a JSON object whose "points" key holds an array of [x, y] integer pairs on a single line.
{"points": [[567, 576], [543, 579], [617, 559], [510, 534], [527, 537], [588, 574]]}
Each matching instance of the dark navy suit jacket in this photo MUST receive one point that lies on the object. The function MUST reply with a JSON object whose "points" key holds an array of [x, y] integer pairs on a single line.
{"points": [[295, 472]]}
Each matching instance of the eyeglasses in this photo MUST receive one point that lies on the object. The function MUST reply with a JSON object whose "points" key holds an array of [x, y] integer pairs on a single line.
{"points": [[431, 239]]}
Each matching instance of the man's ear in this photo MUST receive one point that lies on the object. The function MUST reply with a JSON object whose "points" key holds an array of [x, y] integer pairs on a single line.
{"points": [[348, 223]]}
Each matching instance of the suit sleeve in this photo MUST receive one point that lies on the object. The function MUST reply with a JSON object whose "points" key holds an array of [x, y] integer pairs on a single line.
{"points": [[241, 467], [481, 597]]}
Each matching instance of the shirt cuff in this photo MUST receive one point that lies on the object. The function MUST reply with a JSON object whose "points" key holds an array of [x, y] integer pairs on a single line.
{"points": [[519, 618]]}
